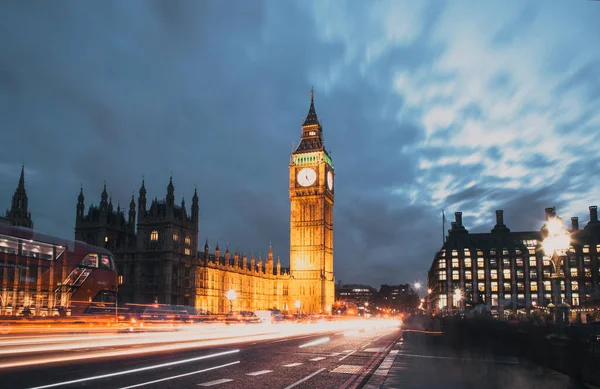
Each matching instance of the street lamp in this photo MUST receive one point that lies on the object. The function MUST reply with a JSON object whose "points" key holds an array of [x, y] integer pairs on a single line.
{"points": [[417, 286], [231, 295], [555, 246], [297, 307]]}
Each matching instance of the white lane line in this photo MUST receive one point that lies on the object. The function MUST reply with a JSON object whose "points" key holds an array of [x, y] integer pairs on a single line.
{"points": [[292, 364], [339, 333], [136, 370], [335, 354], [181, 375], [261, 372], [317, 359], [216, 382], [308, 377], [315, 342], [346, 351], [346, 356]]}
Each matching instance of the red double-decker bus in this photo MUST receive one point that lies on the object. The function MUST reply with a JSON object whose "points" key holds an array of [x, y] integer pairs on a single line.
{"points": [[41, 275]]}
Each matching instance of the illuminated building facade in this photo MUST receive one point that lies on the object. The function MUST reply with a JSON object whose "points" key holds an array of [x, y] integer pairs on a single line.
{"points": [[159, 261], [361, 295], [508, 271], [311, 219]]}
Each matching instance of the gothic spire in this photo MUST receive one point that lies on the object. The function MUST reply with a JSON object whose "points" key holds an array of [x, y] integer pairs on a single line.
{"points": [[22, 178], [311, 117]]}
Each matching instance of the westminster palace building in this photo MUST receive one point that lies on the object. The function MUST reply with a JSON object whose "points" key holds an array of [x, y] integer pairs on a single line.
{"points": [[157, 251]]}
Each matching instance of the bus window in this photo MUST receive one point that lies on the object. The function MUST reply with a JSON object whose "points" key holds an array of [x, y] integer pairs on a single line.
{"points": [[105, 263], [90, 260]]}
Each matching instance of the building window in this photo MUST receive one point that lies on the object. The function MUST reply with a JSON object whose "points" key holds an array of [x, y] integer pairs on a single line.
{"points": [[517, 251], [546, 261], [506, 274], [188, 240], [442, 263], [547, 286], [468, 275], [520, 274], [507, 297], [504, 252], [575, 299], [455, 275], [586, 249], [494, 300], [507, 287], [188, 251], [481, 274], [546, 273], [494, 274], [454, 253], [506, 262], [493, 252], [480, 263], [106, 239], [154, 236], [534, 286], [533, 273], [455, 263], [175, 237], [443, 303], [467, 262], [479, 252], [520, 287], [494, 286], [573, 272], [442, 275], [532, 261], [467, 253], [519, 261], [574, 285]]}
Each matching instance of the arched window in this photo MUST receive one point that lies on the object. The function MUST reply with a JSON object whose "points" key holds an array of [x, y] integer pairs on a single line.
{"points": [[188, 240], [176, 237], [154, 236]]}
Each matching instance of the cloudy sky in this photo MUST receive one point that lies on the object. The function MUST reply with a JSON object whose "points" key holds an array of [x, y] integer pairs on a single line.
{"points": [[425, 105]]}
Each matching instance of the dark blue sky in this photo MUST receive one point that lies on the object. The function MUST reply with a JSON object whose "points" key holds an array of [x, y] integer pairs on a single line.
{"points": [[425, 105]]}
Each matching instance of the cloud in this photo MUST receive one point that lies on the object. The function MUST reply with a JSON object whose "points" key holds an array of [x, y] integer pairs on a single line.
{"points": [[424, 106]]}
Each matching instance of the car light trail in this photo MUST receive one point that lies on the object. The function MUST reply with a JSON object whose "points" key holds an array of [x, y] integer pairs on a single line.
{"points": [[119, 373], [316, 342], [182, 375]]}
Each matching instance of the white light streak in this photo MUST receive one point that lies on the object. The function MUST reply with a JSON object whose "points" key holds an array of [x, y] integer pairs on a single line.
{"points": [[182, 375], [316, 342], [119, 373]]}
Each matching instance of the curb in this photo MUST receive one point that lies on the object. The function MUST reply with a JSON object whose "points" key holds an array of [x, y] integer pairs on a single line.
{"points": [[378, 378]]}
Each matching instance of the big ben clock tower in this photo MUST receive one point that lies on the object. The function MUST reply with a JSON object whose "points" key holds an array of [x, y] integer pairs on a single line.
{"points": [[311, 219]]}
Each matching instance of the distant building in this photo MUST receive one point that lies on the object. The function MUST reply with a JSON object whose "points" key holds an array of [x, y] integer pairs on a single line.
{"points": [[19, 214], [400, 298], [361, 295], [507, 272]]}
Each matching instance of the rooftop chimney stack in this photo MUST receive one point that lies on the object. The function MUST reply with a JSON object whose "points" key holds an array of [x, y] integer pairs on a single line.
{"points": [[499, 217], [574, 223], [453, 224], [458, 216], [550, 213], [593, 213]]}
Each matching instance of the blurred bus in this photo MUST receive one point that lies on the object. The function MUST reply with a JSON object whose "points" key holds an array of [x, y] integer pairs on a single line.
{"points": [[41, 275]]}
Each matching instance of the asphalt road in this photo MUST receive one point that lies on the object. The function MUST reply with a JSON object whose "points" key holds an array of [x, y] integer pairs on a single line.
{"points": [[325, 360]]}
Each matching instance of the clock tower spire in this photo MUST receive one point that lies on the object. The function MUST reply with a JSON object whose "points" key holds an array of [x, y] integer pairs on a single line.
{"points": [[311, 218]]}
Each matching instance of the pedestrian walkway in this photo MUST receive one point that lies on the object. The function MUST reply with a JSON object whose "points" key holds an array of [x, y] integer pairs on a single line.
{"points": [[419, 363]]}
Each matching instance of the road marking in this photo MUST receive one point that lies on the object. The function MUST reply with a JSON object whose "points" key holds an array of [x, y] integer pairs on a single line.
{"points": [[335, 354], [339, 333], [180, 375], [347, 355], [293, 364], [216, 382], [137, 370], [346, 351], [261, 372], [308, 377], [317, 359], [374, 350], [347, 369]]}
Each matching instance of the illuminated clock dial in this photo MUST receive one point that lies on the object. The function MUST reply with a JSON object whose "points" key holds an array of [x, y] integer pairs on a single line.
{"points": [[307, 176], [330, 180]]}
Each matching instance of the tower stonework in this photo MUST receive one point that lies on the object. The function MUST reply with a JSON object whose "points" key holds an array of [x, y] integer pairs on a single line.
{"points": [[311, 220]]}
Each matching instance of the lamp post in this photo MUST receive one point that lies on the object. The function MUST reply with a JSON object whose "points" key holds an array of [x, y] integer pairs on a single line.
{"points": [[231, 295], [555, 246]]}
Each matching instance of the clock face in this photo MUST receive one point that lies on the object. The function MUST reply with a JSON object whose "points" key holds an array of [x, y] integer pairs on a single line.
{"points": [[330, 180], [307, 176]]}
